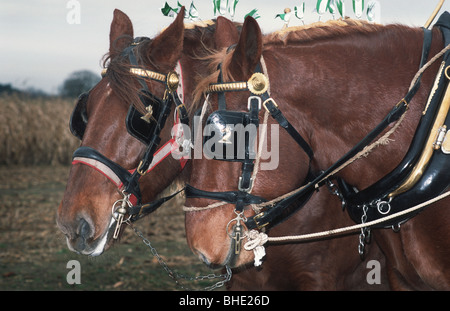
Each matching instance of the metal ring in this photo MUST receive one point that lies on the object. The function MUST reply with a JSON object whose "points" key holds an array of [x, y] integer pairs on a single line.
{"points": [[447, 73], [113, 209], [383, 204], [228, 226], [120, 201]]}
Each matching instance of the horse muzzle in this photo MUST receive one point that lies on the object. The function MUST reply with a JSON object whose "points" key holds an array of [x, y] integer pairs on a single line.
{"points": [[81, 237]]}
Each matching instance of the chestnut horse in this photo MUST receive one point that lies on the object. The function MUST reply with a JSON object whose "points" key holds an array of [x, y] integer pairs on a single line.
{"points": [[85, 214], [334, 82]]}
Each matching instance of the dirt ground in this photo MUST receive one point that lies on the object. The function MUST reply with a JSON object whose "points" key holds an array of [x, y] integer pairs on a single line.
{"points": [[34, 254]]}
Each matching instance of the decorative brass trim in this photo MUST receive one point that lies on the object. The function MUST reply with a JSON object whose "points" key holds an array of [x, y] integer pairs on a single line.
{"points": [[148, 74], [258, 83], [435, 87], [433, 15], [172, 81], [148, 115], [422, 164], [227, 87]]}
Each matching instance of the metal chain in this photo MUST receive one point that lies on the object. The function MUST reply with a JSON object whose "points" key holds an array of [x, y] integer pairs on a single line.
{"points": [[177, 276], [334, 190], [364, 236]]}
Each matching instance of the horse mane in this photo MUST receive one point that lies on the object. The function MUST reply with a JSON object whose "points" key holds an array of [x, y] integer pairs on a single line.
{"points": [[124, 83], [291, 35], [320, 30]]}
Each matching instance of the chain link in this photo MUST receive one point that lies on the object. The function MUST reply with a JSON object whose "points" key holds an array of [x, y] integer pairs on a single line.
{"points": [[177, 276], [365, 234]]}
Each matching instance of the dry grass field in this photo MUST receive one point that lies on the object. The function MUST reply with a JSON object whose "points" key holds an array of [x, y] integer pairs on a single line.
{"points": [[35, 131]]}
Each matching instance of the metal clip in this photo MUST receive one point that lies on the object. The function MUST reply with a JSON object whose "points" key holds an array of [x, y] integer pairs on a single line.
{"points": [[236, 231], [440, 137], [250, 101], [241, 188], [237, 236], [121, 211]]}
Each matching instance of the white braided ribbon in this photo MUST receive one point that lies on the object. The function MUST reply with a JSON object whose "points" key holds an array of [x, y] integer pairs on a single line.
{"points": [[256, 241]]}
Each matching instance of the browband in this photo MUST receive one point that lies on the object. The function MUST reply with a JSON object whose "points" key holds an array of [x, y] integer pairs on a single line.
{"points": [[171, 79], [258, 84]]}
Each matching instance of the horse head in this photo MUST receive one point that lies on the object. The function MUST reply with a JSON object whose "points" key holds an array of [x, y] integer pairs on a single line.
{"points": [[233, 185], [113, 121]]}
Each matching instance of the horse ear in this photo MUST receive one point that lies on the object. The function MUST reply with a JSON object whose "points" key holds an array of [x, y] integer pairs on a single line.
{"points": [[166, 48], [120, 34], [248, 50], [226, 33]]}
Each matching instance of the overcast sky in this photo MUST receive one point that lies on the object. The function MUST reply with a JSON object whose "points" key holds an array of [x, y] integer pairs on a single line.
{"points": [[40, 48]]}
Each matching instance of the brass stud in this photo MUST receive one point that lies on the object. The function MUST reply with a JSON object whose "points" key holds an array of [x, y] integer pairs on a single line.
{"points": [[172, 81], [258, 83]]}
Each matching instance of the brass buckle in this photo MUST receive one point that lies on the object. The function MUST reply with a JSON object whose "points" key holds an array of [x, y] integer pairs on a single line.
{"points": [[139, 169], [265, 104], [255, 219], [179, 107], [403, 101]]}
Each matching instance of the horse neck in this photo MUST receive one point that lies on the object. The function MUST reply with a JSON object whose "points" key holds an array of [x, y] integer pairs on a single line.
{"points": [[344, 86]]}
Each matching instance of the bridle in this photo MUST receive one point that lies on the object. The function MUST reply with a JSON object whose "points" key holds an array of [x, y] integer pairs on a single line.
{"points": [[258, 85], [141, 127]]}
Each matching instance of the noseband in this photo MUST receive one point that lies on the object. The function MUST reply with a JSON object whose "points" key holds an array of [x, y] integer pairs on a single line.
{"points": [[147, 128]]}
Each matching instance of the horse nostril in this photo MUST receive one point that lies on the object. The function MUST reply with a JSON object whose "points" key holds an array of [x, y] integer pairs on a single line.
{"points": [[204, 259], [84, 229]]}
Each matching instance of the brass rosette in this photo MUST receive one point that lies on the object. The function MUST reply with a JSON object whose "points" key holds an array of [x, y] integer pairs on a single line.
{"points": [[172, 81], [258, 83]]}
